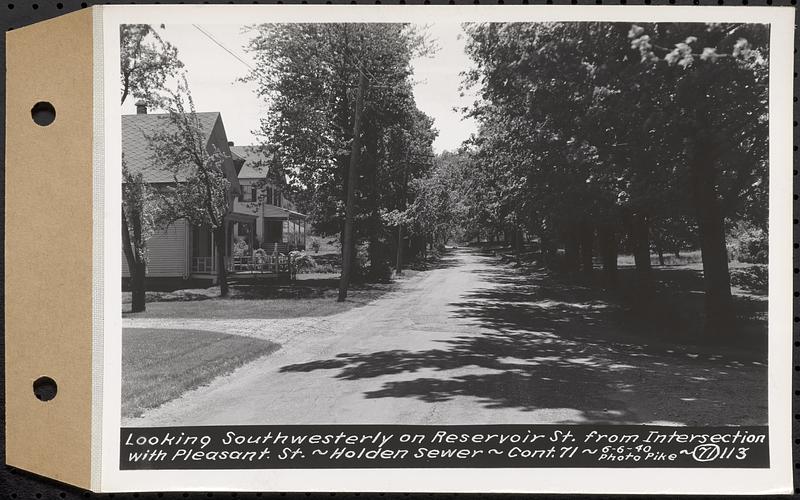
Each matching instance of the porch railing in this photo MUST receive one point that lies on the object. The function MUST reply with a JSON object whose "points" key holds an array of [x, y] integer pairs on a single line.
{"points": [[204, 265], [270, 263]]}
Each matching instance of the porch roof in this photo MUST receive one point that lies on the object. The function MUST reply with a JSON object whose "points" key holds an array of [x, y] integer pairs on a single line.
{"points": [[296, 215], [240, 217]]}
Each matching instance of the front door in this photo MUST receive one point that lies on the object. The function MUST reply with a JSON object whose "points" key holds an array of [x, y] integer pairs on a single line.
{"points": [[273, 233]]}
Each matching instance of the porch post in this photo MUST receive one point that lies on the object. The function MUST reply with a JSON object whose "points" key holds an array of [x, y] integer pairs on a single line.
{"points": [[213, 251]]}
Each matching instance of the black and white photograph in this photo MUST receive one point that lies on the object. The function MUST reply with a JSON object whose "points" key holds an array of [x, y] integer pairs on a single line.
{"points": [[445, 223]]}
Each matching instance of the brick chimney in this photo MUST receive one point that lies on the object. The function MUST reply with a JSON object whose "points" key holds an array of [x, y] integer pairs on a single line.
{"points": [[141, 108]]}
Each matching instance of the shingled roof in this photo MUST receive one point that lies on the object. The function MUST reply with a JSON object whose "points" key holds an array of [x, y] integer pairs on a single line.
{"points": [[255, 162], [136, 148]]}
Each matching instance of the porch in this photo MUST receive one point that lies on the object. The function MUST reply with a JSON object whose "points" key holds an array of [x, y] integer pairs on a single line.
{"points": [[288, 232], [254, 245], [258, 264]]}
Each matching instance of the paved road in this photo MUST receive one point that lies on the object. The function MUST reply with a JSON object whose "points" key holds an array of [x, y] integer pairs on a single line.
{"points": [[472, 341]]}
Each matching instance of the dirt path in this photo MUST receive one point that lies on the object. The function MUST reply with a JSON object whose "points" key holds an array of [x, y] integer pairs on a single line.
{"points": [[472, 341]]}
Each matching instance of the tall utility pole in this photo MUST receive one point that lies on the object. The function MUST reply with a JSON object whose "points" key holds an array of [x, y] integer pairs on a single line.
{"points": [[352, 179]]}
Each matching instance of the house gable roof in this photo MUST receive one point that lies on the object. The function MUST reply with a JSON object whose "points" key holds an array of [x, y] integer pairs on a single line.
{"points": [[136, 147], [255, 162]]}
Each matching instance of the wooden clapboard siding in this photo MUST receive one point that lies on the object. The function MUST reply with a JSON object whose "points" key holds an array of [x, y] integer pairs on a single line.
{"points": [[167, 252]]}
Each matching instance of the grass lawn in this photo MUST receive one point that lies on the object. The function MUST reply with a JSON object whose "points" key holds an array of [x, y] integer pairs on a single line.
{"points": [[160, 365], [304, 298]]}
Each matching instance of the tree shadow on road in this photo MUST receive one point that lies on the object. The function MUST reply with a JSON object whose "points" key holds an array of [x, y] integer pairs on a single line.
{"points": [[542, 345]]}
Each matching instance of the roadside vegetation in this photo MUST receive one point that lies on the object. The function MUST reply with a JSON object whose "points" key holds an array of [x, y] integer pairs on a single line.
{"points": [[265, 300]]}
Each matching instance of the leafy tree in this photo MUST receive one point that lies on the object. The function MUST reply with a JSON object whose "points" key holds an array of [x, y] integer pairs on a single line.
{"points": [[308, 74], [139, 206], [146, 62], [673, 235], [202, 192], [436, 212], [719, 114], [621, 133]]}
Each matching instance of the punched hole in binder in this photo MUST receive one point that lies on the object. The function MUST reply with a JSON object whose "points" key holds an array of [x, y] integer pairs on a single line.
{"points": [[43, 113], [45, 388]]}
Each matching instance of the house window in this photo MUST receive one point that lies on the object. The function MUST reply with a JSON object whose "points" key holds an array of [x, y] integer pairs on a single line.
{"points": [[269, 195], [277, 198], [253, 193]]}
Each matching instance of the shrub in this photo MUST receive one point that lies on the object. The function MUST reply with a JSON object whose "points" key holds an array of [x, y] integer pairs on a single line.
{"points": [[753, 278], [748, 243], [380, 271], [303, 262], [260, 256]]}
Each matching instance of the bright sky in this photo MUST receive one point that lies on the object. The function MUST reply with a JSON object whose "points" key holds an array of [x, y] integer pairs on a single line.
{"points": [[213, 75]]}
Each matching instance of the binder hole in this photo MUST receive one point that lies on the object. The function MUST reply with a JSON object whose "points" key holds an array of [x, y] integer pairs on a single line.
{"points": [[44, 388], [43, 113]]}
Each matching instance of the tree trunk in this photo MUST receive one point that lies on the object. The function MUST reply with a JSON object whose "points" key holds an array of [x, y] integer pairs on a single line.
{"points": [[660, 252], [138, 287], [518, 241], [348, 249], [136, 269], [719, 301], [378, 256], [222, 274], [545, 248], [374, 255], [720, 315], [399, 264], [711, 226], [640, 235], [571, 249], [608, 253], [586, 244], [403, 206]]}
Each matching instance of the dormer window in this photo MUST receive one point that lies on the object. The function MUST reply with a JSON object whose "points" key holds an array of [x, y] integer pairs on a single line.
{"points": [[253, 193]]}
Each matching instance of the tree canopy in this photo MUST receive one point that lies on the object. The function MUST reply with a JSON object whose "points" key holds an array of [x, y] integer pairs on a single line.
{"points": [[631, 134], [146, 62], [308, 75]]}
